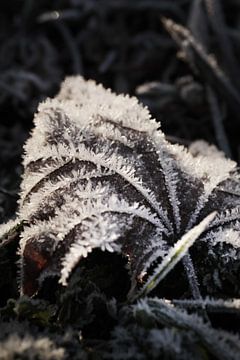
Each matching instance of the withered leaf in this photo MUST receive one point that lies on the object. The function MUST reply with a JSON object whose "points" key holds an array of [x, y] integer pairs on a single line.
{"points": [[100, 174]]}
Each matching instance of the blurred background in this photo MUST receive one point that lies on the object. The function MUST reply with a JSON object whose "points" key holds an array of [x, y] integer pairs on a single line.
{"points": [[186, 69]]}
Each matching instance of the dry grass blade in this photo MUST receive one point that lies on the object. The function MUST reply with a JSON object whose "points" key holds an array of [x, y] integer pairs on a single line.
{"points": [[174, 256]]}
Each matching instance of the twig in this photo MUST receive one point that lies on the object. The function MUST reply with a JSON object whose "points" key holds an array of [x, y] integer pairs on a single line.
{"points": [[217, 119], [216, 19], [193, 283]]}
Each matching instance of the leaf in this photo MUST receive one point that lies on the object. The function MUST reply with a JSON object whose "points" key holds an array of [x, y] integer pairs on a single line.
{"points": [[99, 174], [10, 231]]}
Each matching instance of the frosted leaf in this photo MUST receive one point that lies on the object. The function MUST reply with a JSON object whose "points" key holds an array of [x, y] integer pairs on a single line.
{"points": [[98, 173], [213, 305], [10, 231], [220, 344], [29, 347], [6, 228]]}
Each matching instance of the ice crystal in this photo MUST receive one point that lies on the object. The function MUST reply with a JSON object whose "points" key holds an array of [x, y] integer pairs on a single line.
{"points": [[100, 174], [30, 348]]}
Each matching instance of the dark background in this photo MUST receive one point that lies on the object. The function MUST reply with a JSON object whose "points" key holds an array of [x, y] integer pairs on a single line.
{"points": [[124, 45]]}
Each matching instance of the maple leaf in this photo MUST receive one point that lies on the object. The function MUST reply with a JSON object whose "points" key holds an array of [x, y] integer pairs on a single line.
{"points": [[100, 174]]}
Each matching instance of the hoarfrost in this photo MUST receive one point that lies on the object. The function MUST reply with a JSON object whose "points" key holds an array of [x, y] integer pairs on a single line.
{"points": [[96, 166]]}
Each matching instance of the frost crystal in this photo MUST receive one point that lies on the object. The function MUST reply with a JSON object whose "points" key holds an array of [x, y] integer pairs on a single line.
{"points": [[100, 174]]}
